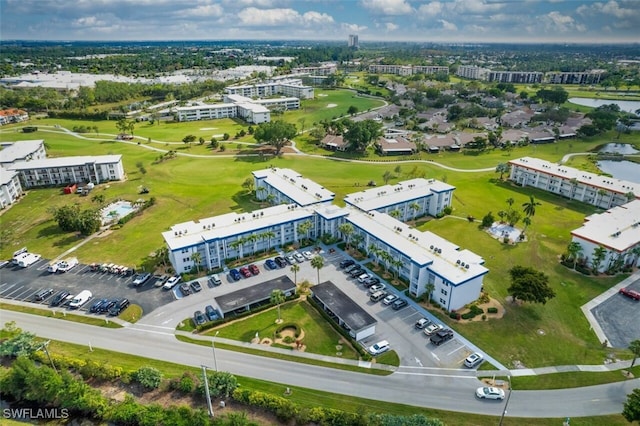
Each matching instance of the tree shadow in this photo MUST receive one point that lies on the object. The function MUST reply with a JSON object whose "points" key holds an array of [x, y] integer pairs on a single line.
{"points": [[245, 202]]}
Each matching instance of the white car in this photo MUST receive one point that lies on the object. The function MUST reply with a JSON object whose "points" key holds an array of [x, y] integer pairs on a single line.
{"points": [[299, 257], [473, 360], [376, 287], [379, 348], [422, 323], [362, 278], [489, 392], [171, 282], [389, 299], [432, 329], [307, 254]]}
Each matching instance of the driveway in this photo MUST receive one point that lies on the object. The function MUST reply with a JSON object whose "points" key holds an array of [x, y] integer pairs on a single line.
{"points": [[619, 317]]}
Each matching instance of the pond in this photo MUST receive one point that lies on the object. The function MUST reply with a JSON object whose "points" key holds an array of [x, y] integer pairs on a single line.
{"points": [[625, 170], [629, 106], [619, 148]]}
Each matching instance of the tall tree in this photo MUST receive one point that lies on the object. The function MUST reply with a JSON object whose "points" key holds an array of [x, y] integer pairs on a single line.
{"points": [[502, 168], [197, 260], [361, 133], [599, 253], [634, 347], [573, 250], [275, 133], [346, 229], [317, 262], [631, 410], [295, 268], [530, 285], [429, 287], [276, 298], [529, 207]]}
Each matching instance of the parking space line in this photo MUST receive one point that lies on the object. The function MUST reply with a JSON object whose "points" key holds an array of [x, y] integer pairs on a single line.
{"points": [[7, 289], [8, 295], [455, 350]]}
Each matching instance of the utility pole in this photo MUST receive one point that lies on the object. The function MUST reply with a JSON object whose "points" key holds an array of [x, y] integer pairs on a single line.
{"points": [[206, 390], [45, 345], [213, 346]]}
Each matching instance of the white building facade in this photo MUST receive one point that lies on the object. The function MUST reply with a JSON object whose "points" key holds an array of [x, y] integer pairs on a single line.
{"points": [[10, 187], [617, 231], [601, 191]]}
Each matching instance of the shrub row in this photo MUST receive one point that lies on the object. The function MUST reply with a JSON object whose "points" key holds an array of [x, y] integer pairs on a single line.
{"points": [[492, 310]]}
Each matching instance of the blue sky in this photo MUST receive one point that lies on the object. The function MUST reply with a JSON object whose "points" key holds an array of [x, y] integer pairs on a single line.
{"points": [[526, 21]]}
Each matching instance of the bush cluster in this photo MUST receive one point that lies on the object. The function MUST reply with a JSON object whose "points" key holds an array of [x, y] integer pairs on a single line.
{"points": [[492, 310]]}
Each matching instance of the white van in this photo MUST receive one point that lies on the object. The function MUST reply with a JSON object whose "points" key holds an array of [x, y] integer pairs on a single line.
{"points": [[28, 259], [80, 299]]}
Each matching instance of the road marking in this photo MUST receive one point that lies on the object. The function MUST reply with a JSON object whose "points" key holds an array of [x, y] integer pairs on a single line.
{"points": [[418, 362], [156, 326], [435, 356], [150, 331], [167, 321], [436, 375], [455, 350]]}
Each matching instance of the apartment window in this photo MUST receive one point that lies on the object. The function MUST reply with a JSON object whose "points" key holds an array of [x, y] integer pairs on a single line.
{"points": [[443, 302], [443, 291]]}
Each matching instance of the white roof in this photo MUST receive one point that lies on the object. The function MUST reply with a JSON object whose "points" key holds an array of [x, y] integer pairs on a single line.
{"points": [[19, 150], [389, 195], [301, 190], [66, 162], [6, 176], [191, 233], [591, 179], [253, 107], [421, 247], [617, 228], [205, 107]]}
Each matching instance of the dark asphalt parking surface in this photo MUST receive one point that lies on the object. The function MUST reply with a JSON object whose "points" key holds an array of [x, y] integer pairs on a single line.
{"points": [[619, 317]]}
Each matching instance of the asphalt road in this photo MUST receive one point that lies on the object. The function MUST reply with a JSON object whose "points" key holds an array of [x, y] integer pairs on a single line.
{"points": [[425, 387]]}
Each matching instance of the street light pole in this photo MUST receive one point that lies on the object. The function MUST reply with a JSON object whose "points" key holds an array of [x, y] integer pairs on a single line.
{"points": [[46, 350], [206, 390], [213, 346], [506, 404]]}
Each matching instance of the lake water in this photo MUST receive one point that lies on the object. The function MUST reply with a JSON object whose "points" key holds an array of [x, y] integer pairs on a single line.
{"points": [[630, 106], [619, 148], [625, 170]]}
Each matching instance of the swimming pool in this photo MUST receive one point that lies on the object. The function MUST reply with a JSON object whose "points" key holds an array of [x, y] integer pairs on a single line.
{"points": [[115, 211]]}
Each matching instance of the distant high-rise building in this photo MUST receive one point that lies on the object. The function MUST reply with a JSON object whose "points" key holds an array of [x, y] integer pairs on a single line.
{"points": [[353, 41]]}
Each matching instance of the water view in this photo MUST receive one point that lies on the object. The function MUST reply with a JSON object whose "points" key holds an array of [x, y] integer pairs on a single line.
{"points": [[619, 148], [625, 170], [630, 106]]}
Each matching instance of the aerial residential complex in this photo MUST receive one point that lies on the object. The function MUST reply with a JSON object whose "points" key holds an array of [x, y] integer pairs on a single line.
{"points": [[422, 258], [408, 69], [25, 165], [474, 72], [600, 191], [617, 231], [286, 86]]}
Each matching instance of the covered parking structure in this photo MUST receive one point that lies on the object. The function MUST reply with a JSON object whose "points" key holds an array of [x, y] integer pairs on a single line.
{"points": [[251, 297], [343, 310]]}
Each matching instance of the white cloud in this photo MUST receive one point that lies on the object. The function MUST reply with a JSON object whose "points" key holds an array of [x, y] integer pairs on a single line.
{"points": [[252, 16], [556, 21], [210, 10], [431, 9], [316, 18], [388, 7], [449, 26], [390, 26], [475, 6], [353, 28], [612, 8], [88, 21]]}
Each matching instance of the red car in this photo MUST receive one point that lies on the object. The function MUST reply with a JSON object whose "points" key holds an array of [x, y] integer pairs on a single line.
{"points": [[254, 269], [244, 271], [630, 293]]}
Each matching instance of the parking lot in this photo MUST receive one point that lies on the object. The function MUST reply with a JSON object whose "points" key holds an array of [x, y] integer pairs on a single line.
{"points": [[396, 326], [619, 317]]}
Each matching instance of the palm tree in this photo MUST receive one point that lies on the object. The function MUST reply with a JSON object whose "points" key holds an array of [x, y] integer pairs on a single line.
{"points": [[599, 253], [270, 198], [502, 168], [510, 202], [357, 240], [197, 260], [162, 254], [397, 263], [260, 190], [346, 229], [634, 347], [237, 244], [415, 207], [268, 235], [429, 287], [386, 258], [574, 249], [527, 222], [276, 298], [394, 213], [295, 268], [304, 228], [530, 206], [387, 176], [317, 262], [374, 251]]}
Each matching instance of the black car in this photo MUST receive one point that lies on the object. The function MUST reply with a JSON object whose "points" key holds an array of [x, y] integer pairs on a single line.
{"points": [[280, 261], [441, 337], [356, 272], [347, 262], [211, 313], [43, 294], [371, 281], [97, 305], [185, 289], [104, 308], [195, 285], [199, 318], [119, 306], [60, 298], [399, 304]]}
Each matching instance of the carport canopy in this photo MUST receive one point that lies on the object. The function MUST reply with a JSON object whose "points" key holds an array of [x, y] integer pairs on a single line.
{"points": [[256, 295]]}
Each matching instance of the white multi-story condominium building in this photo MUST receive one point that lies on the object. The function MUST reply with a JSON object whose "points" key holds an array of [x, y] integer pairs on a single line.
{"points": [[525, 77], [325, 69], [10, 188], [617, 231], [12, 152], [403, 70], [66, 170], [587, 77], [287, 87], [600, 191], [473, 72], [207, 112], [429, 69], [422, 258], [286, 186], [405, 200]]}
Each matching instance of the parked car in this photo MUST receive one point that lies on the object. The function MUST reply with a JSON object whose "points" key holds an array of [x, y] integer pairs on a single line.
{"points": [[473, 360], [235, 275], [271, 264], [254, 269], [362, 278], [211, 313], [378, 296], [185, 289], [43, 294], [298, 257], [215, 280], [630, 293], [389, 299], [356, 272], [280, 261], [171, 282], [161, 280], [399, 304], [60, 298], [441, 337], [290, 260], [118, 307], [97, 305], [432, 328], [346, 262], [379, 348], [371, 281], [106, 306], [351, 267], [245, 272], [489, 392], [422, 323], [307, 254], [140, 279], [196, 286], [377, 287], [199, 318]]}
